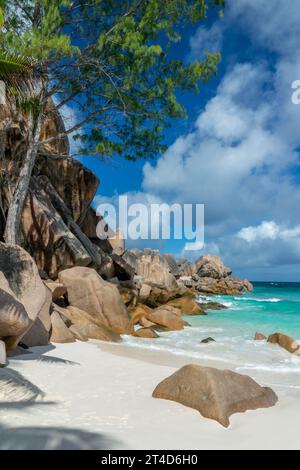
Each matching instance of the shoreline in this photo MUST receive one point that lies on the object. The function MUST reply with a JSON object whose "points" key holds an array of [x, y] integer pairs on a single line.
{"points": [[97, 395]]}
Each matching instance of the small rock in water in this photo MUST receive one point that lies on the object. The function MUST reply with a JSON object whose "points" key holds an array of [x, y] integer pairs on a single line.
{"points": [[208, 340], [286, 342], [259, 336]]}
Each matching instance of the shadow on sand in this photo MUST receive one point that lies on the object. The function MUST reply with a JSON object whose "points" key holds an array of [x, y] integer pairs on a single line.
{"points": [[17, 393], [53, 438]]}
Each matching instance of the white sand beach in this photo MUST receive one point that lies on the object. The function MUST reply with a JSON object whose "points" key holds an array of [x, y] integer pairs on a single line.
{"points": [[98, 396]]}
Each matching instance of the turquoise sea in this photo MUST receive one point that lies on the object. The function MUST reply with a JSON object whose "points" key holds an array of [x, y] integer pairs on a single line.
{"points": [[271, 307]]}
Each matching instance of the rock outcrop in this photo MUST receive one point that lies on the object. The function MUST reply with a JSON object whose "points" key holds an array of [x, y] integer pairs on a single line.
{"points": [[211, 266], [216, 394]]}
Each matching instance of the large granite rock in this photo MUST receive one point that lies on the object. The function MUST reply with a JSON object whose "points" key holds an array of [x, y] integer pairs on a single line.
{"points": [[89, 292], [22, 277], [216, 394], [286, 342]]}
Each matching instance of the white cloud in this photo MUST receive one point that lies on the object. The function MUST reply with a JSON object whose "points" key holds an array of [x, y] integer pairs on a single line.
{"points": [[240, 158], [264, 231]]}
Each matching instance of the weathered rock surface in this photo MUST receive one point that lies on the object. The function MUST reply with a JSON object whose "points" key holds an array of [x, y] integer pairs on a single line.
{"points": [[74, 183], [24, 282], [146, 333], [89, 292], [216, 394], [60, 333], [285, 342], [186, 268]]}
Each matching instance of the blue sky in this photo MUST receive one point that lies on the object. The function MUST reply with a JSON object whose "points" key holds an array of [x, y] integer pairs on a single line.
{"points": [[238, 153]]}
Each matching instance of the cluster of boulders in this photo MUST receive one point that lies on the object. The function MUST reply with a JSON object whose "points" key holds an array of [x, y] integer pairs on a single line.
{"points": [[64, 282]]}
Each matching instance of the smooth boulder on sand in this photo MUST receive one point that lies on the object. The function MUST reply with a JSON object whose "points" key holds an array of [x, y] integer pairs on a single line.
{"points": [[216, 394], [20, 279]]}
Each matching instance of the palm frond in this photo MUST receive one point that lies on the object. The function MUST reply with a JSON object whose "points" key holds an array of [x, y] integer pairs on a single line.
{"points": [[16, 72]]}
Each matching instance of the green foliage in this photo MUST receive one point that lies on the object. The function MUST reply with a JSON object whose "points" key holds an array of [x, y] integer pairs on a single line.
{"points": [[15, 71], [114, 62]]}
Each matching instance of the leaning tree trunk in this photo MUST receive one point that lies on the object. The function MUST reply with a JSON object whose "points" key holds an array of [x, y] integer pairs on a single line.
{"points": [[12, 229]]}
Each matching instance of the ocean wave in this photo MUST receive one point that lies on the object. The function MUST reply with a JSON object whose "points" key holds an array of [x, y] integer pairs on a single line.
{"points": [[256, 299], [276, 368]]}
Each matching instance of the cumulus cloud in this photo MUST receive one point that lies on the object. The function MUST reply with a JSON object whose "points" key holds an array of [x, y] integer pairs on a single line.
{"points": [[242, 155]]}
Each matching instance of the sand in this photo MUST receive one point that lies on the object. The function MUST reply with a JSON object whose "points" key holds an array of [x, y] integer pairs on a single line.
{"points": [[98, 396]]}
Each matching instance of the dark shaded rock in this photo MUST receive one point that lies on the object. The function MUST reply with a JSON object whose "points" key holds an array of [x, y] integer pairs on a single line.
{"points": [[208, 340]]}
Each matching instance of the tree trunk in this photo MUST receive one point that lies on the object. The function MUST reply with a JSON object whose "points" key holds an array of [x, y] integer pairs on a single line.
{"points": [[12, 229]]}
